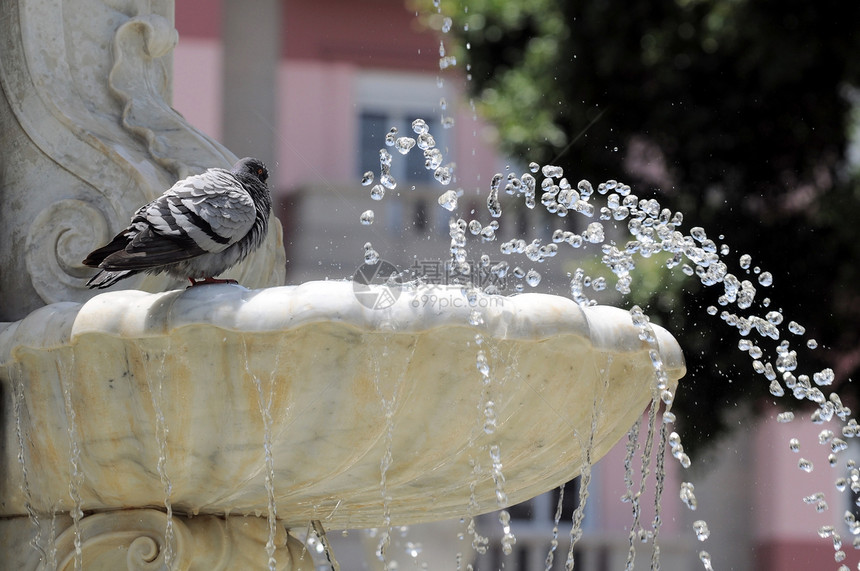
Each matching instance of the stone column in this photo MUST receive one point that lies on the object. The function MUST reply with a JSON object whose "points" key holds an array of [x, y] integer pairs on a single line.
{"points": [[252, 51]]}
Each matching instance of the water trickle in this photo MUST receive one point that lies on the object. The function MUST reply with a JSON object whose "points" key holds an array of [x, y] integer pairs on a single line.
{"points": [[76, 475], [585, 473], [18, 409], [264, 402], [154, 380], [319, 542]]}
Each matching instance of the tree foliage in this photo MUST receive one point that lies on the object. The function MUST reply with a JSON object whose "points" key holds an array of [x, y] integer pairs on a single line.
{"points": [[732, 111]]}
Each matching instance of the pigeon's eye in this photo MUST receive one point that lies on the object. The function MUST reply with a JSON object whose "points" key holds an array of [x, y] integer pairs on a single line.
{"points": [[259, 171]]}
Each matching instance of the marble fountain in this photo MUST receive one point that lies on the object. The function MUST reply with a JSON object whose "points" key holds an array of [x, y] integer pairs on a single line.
{"points": [[157, 428]]}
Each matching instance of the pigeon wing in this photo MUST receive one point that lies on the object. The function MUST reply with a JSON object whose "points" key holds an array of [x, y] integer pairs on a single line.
{"points": [[212, 209], [204, 213]]}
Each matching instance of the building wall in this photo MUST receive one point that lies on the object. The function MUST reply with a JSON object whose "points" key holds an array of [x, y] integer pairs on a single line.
{"points": [[198, 65]]}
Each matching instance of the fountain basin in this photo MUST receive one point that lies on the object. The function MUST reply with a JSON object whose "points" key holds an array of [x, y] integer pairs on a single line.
{"points": [[346, 383]]}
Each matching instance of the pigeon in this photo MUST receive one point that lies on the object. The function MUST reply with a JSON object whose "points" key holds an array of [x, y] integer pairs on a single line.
{"points": [[202, 226]]}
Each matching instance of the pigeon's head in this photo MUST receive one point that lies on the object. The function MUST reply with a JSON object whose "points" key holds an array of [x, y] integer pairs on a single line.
{"points": [[253, 167]]}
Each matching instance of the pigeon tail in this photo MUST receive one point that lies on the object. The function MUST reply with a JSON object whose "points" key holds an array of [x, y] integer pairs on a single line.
{"points": [[106, 278]]}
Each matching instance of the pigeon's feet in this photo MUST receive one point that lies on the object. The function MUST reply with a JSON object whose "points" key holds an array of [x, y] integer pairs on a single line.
{"points": [[207, 281]]}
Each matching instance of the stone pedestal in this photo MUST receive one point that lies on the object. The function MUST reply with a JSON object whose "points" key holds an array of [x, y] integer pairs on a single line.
{"points": [[136, 540]]}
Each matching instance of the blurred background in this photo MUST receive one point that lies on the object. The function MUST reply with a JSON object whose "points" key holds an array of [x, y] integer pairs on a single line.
{"points": [[742, 115]]}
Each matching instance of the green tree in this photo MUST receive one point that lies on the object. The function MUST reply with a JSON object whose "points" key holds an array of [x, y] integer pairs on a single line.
{"points": [[734, 112]]}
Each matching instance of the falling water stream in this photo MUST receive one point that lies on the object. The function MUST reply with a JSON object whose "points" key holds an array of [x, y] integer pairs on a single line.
{"points": [[387, 384], [155, 384], [76, 476], [18, 408], [264, 402]]}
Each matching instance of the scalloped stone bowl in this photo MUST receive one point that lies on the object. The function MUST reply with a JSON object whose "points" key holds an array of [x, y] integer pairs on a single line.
{"points": [[342, 384]]}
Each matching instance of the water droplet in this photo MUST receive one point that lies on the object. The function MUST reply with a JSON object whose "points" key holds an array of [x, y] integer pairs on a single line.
{"points": [[475, 318], [594, 233], [377, 192], [701, 528], [432, 159], [805, 465], [774, 317], [367, 178], [367, 217], [404, 144], [824, 377], [534, 167], [796, 328], [687, 495], [776, 389], [698, 233], [812, 343], [448, 200], [705, 558], [552, 171], [765, 279], [794, 445], [390, 138], [387, 180], [426, 141], [371, 256], [533, 278], [443, 175]]}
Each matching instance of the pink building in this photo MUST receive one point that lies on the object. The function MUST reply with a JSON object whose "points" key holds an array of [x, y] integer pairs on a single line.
{"points": [[312, 88]]}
